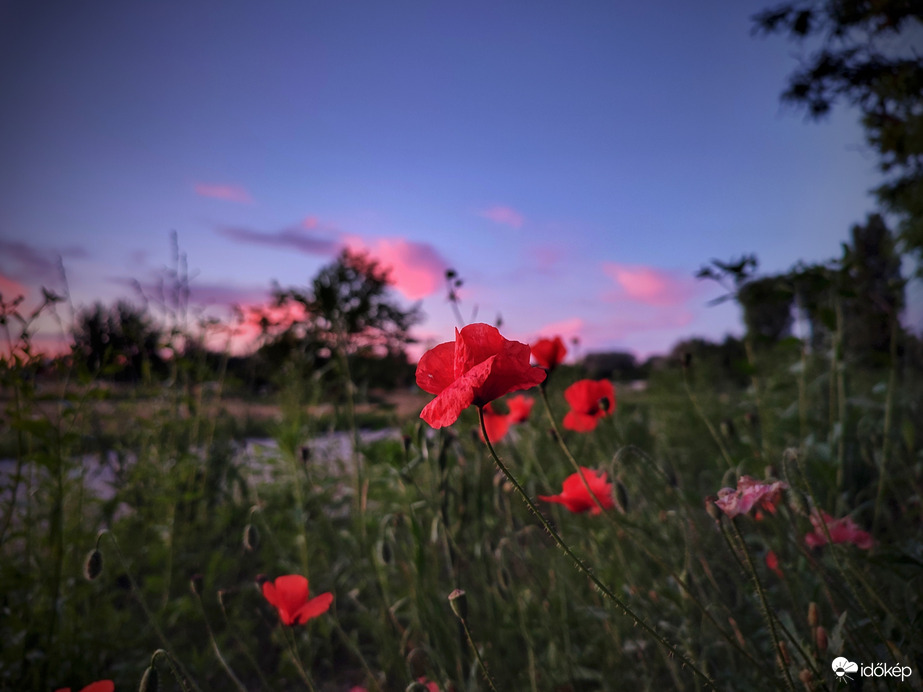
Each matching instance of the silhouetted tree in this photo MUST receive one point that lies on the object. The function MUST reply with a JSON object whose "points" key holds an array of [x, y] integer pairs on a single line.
{"points": [[867, 58], [873, 289], [349, 307], [767, 308], [120, 341]]}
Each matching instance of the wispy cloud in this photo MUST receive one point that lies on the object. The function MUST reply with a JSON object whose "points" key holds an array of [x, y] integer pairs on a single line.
{"points": [[506, 216], [649, 285], [416, 269], [156, 288], [301, 238], [228, 193], [31, 263]]}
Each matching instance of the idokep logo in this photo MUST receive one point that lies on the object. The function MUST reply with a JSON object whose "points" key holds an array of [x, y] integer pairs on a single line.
{"points": [[842, 667]]}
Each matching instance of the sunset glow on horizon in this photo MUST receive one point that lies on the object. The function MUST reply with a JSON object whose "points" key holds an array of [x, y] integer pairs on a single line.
{"points": [[574, 164]]}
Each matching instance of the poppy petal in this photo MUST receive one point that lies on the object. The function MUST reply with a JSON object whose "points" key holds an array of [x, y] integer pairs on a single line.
{"points": [[436, 368], [313, 608]]}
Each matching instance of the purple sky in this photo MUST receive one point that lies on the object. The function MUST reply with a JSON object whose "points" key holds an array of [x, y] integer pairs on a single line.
{"points": [[574, 162]]}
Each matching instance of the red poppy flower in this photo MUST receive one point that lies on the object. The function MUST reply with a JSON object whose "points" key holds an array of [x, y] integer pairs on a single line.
{"points": [[430, 686], [549, 353], [841, 531], [289, 595], [520, 407], [478, 367], [497, 424], [574, 494], [98, 686], [772, 562], [749, 494], [589, 401]]}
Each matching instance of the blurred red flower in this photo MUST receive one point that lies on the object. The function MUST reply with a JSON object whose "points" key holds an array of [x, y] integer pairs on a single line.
{"points": [[98, 686], [478, 367], [430, 686], [589, 401], [520, 407], [842, 530], [772, 562], [750, 493], [549, 353], [497, 424], [574, 494], [289, 595]]}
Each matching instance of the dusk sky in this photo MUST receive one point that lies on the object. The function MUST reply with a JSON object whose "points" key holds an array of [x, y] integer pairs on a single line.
{"points": [[576, 163]]}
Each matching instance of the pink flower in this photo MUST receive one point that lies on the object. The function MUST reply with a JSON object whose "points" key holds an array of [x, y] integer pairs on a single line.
{"points": [[749, 494], [841, 531], [430, 686], [574, 493]]}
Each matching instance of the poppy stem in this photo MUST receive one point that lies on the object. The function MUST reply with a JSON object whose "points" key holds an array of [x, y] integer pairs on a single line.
{"points": [[289, 637], [764, 604], [566, 450], [581, 565], [186, 679], [711, 428], [211, 635], [477, 654]]}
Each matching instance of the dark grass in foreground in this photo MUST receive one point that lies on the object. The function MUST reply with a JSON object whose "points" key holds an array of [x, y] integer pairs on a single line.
{"points": [[392, 533]]}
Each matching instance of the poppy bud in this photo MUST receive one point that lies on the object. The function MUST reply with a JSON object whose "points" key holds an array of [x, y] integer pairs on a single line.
{"points": [[459, 602], [251, 538], [687, 360], [93, 565], [416, 662], [713, 510], [783, 652], [728, 429], [806, 678], [196, 583], [305, 455], [407, 440], [621, 494], [820, 638], [813, 618], [604, 405], [150, 681], [383, 552], [450, 274]]}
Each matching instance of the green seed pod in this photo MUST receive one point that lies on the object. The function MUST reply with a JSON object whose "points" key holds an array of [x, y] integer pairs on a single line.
{"points": [[93, 565], [251, 538], [150, 681]]}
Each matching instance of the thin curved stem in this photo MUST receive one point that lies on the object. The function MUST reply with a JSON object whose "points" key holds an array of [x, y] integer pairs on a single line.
{"points": [[581, 565]]}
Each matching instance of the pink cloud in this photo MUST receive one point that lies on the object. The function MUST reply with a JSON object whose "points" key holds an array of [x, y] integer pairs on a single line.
{"points": [[504, 215], [229, 193], [11, 289], [416, 269], [649, 285], [566, 329]]}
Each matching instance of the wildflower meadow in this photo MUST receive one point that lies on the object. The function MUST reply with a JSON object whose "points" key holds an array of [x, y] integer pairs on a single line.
{"points": [[499, 517]]}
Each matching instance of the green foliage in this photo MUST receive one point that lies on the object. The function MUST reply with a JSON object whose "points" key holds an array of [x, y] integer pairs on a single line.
{"points": [[868, 58]]}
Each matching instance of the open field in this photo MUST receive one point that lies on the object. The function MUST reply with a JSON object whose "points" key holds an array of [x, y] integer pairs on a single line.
{"points": [[678, 593]]}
